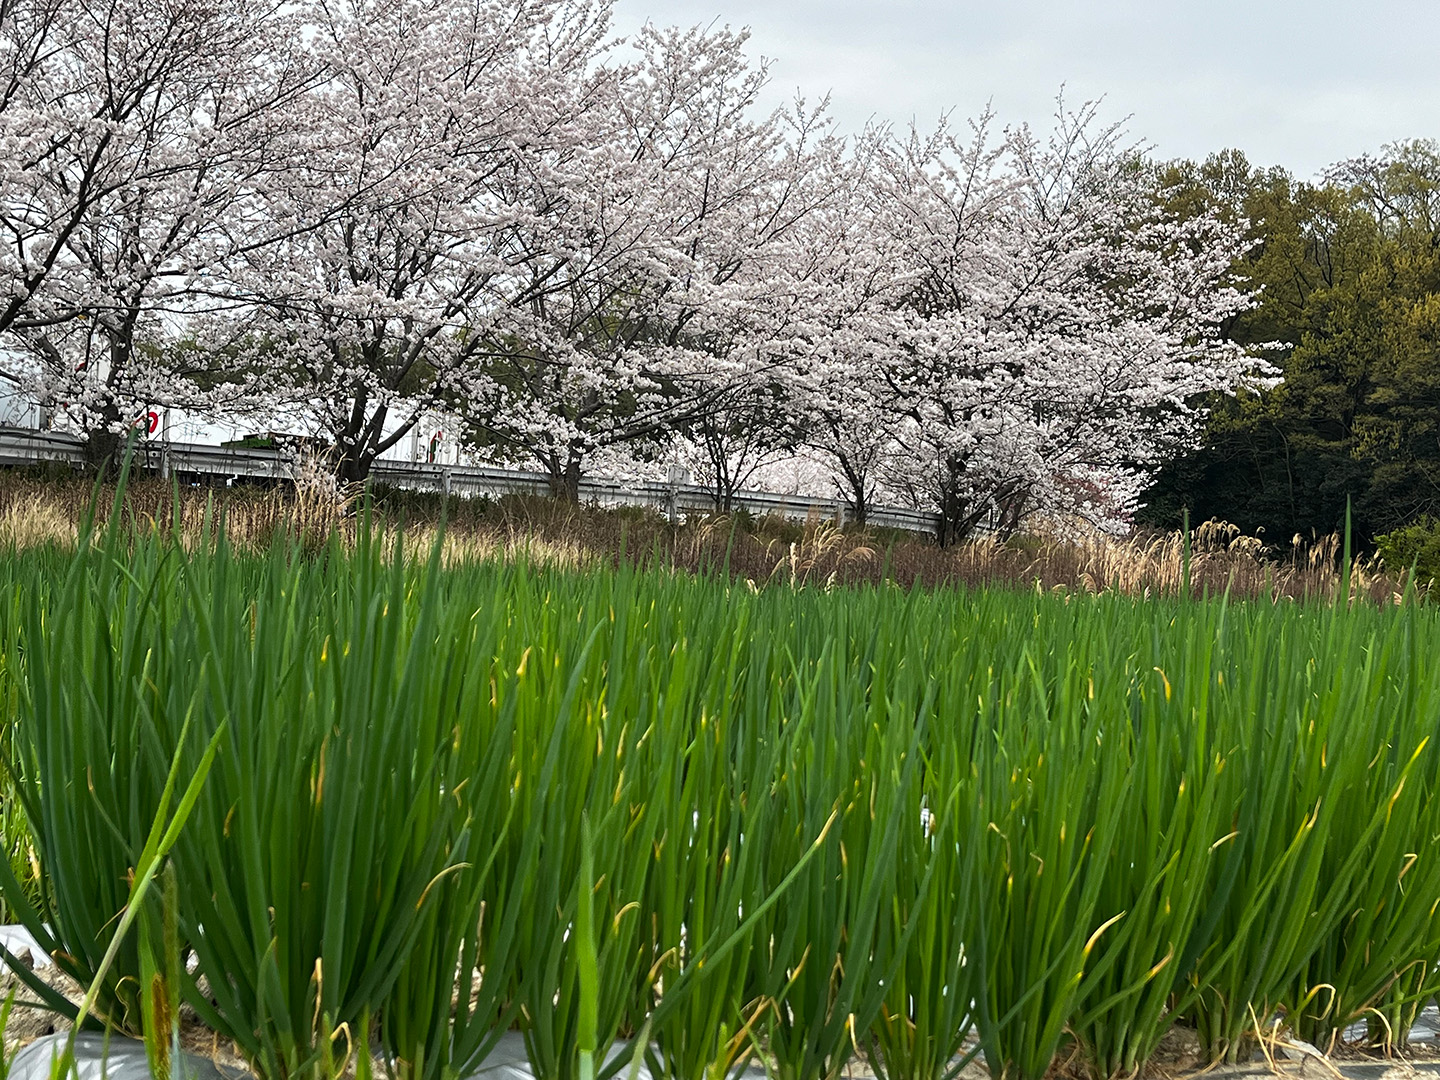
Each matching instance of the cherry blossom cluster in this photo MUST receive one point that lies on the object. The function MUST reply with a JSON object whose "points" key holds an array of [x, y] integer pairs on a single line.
{"points": [[586, 249]]}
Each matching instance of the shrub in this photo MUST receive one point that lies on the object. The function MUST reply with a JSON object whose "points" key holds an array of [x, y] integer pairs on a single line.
{"points": [[1415, 546]]}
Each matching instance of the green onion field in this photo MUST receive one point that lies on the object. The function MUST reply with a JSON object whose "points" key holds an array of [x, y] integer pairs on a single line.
{"points": [[355, 795]]}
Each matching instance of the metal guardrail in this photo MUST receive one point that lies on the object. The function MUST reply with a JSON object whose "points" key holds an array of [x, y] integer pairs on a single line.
{"points": [[20, 446]]}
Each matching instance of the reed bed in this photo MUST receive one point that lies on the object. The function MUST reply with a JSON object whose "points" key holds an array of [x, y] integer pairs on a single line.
{"points": [[1214, 558], [649, 817]]}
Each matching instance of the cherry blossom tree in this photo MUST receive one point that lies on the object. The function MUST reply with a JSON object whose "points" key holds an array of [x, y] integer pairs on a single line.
{"points": [[673, 268], [413, 227], [145, 124], [853, 270], [46, 127], [1054, 325]]}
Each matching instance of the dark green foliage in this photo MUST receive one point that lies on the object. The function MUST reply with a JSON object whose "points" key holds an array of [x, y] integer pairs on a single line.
{"points": [[1413, 547], [1349, 311]]}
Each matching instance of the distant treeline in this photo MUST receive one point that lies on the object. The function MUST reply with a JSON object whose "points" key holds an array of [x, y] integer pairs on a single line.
{"points": [[1348, 270]]}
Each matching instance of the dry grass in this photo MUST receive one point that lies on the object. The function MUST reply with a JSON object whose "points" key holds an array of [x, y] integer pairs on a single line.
{"points": [[36, 511], [1221, 559]]}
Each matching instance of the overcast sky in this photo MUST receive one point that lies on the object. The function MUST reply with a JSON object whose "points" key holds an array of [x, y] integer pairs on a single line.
{"points": [[1299, 84]]}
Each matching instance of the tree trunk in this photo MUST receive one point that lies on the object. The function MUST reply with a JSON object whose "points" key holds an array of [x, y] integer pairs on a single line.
{"points": [[352, 464], [856, 500], [104, 446], [349, 469], [951, 514], [103, 452], [958, 512], [564, 479], [722, 487], [1012, 508]]}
